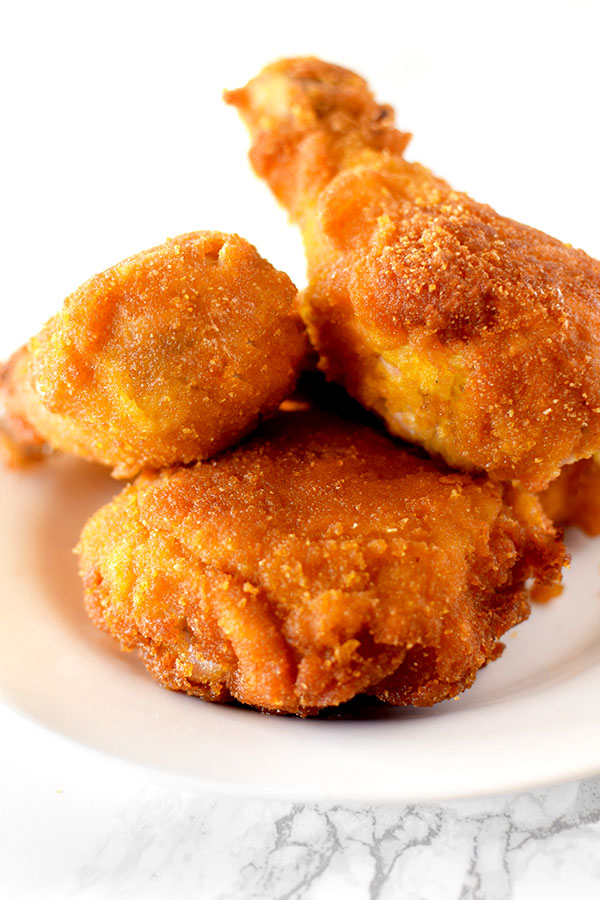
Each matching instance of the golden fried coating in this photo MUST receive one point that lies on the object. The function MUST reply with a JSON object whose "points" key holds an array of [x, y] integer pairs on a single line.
{"points": [[168, 357], [574, 498], [469, 333], [316, 561]]}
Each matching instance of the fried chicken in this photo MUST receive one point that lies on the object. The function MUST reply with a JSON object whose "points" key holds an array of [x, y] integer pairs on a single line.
{"points": [[316, 561], [467, 332], [574, 498], [169, 356]]}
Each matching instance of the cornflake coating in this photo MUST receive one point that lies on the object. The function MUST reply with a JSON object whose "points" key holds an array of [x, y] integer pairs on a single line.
{"points": [[574, 498], [469, 333], [168, 357], [317, 561]]}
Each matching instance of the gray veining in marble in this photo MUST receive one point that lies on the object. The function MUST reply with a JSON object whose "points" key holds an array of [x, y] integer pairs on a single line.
{"points": [[542, 844], [74, 824]]}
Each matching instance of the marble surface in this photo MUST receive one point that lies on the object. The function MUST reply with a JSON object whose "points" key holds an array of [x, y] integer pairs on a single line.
{"points": [[74, 823]]}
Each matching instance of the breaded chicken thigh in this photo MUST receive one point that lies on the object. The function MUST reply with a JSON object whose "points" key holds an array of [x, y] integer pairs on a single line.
{"points": [[316, 561], [574, 498], [469, 333], [169, 356]]}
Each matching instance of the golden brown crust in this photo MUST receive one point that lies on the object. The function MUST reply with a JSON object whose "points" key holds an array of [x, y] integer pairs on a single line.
{"points": [[170, 356], [467, 332], [313, 563], [309, 119], [574, 498], [20, 442]]}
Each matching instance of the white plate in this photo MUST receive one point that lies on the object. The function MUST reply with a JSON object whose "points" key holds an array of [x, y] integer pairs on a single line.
{"points": [[531, 719]]}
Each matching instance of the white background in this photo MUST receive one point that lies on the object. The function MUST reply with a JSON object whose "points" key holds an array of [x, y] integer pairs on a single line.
{"points": [[113, 137]]}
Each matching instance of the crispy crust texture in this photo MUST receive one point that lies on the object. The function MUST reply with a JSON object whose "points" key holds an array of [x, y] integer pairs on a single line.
{"points": [[168, 357], [469, 333], [315, 562], [574, 498]]}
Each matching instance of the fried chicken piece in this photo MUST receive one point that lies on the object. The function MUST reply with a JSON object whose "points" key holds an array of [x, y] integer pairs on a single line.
{"points": [[169, 356], [574, 498], [316, 561], [469, 333]]}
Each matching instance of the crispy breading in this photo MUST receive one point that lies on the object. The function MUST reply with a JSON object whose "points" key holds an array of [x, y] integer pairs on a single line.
{"points": [[316, 561], [169, 356], [469, 333], [574, 498]]}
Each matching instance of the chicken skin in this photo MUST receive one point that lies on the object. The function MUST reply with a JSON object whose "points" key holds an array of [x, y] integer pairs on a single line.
{"points": [[468, 333], [169, 356], [316, 561]]}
